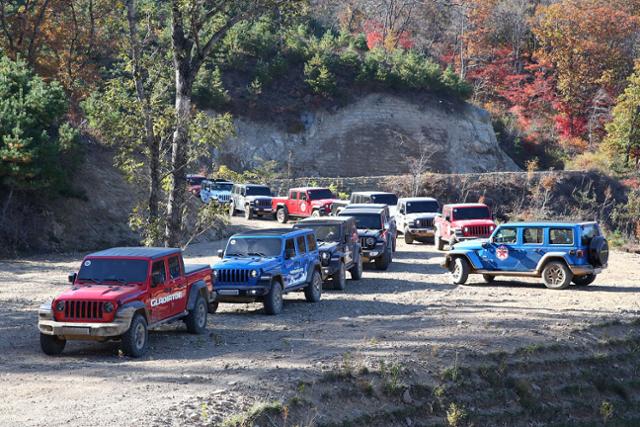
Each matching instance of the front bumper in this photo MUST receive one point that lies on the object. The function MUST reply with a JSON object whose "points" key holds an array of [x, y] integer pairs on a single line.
{"points": [[84, 330], [369, 255], [329, 269], [241, 292], [421, 232], [261, 210]]}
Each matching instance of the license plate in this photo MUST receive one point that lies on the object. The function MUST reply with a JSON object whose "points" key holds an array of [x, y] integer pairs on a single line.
{"points": [[71, 330], [229, 292]]}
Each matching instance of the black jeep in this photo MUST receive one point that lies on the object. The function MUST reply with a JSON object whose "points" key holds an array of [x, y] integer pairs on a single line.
{"points": [[375, 233], [339, 247]]}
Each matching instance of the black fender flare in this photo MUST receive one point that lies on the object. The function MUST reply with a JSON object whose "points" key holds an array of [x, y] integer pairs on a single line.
{"points": [[138, 307], [194, 291]]}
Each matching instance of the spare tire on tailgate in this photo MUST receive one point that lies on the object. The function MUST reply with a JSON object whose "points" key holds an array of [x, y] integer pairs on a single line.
{"points": [[598, 251]]}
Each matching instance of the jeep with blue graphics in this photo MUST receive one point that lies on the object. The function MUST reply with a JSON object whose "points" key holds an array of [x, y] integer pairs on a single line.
{"points": [[560, 253], [263, 265], [339, 247], [216, 191]]}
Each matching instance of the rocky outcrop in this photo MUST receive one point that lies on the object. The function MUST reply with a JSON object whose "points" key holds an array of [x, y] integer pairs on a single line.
{"points": [[379, 134]]}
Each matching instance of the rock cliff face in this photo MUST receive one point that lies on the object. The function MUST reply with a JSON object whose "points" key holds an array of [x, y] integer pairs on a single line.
{"points": [[379, 134]]}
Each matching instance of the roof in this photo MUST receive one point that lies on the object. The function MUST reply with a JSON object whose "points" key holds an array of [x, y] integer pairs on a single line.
{"points": [[308, 188], [363, 210], [370, 193], [545, 224], [269, 232], [466, 205], [326, 220], [140, 252], [352, 206], [418, 199], [252, 185]]}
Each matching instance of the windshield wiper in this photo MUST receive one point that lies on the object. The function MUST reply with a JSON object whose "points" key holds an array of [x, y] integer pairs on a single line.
{"points": [[90, 279], [117, 279], [256, 254], [234, 255]]}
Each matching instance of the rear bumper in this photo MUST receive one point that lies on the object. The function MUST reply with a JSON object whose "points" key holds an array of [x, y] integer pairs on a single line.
{"points": [[84, 330], [583, 270]]}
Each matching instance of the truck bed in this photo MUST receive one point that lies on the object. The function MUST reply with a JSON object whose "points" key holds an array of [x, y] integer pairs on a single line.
{"points": [[190, 269]]}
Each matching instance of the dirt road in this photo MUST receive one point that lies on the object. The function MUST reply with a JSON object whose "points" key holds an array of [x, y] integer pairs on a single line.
{"points": [[405, 314]]}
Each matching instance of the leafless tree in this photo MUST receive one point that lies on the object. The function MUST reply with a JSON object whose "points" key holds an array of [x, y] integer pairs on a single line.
{"points": [[418, 163]]}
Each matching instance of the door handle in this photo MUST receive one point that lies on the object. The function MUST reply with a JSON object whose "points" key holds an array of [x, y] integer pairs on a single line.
{"points": [[167, 289]]}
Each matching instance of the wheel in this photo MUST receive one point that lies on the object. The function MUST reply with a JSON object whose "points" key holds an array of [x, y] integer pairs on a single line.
{"points": [[340, 278], [488, 278], [135, 340], [313, 291], [52, 345], [196, 320], [556, 275], [437, 242], [248, 213], [585, 280], [213, 307], [273, 300], [315, 213], [408, 239], [232, 209], [382, 263], [460, 271], [394, 243], [356, 270], [282, 216]]}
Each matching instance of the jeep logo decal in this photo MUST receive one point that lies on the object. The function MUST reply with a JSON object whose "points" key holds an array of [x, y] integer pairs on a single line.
{"points": [[502, 253], [168, 298]]}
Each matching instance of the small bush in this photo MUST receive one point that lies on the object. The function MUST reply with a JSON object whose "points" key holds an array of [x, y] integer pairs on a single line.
{"points": [[318, 77]]}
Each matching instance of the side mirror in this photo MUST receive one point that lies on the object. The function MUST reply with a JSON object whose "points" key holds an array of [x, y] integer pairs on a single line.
{"points": [[486, 245], [72, 277], [156, 280], [447, 218], [290, 253], [220, 253]]}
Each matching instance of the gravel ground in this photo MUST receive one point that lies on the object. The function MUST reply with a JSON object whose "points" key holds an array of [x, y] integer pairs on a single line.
{"points": [[407, 312]]}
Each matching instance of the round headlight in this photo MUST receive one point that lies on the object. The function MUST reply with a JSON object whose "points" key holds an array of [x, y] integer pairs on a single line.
{"points": [[60, 306], [215, 273], [491, 228], [466, 229], [325, 255], [371, 241], [254, 273], [108, 307]]}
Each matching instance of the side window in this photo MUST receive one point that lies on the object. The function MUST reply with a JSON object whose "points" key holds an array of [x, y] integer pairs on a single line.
{"points": [[158, 271], [532, 236], [311, 243], [293, 195], [561, 236], [303, 196], [243, 191], [302, 247], [506, 235], [289, 247], [174, 267]]}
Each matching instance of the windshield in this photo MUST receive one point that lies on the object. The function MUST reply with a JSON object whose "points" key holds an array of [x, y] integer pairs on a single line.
{"points": [[222, 186], [100, 270], [368, 221], [422, 206], [251, 246], [479, 212], [385, 199], [258, 191], [195, 180], [323, 193], [325, 233]]}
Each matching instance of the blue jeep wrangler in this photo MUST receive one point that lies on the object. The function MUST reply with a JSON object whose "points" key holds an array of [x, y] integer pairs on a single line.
{"points": [[263, 265], [339, 247], [560, 253]]}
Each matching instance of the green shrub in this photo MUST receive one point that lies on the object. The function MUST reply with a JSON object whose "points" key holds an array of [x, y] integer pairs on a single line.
{"points": [[360, 42], [208, 89], [318, 77]]}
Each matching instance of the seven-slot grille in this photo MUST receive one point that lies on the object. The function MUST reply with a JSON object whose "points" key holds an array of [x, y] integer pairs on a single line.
{"points": [[233, 275], [424, 222], [83, 310], [477, 230], [263, 203], [363, 242], [224, 198]]}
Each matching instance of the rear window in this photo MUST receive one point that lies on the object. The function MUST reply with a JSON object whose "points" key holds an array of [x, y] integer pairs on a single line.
{"points": [[532, 236], [311, 243], [561, 236], [589, 231]]}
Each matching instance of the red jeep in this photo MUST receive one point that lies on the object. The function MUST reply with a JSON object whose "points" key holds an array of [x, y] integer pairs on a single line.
{"points": [[302, 203], [194, 183], [120, 293], [463, 221]]}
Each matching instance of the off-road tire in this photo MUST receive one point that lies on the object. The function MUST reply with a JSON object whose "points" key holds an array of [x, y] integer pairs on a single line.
{"points": [[585, 280], [394, 243], [232, 209], [282, 216], [408, 238], [437, 242], [356, 270], [488, 278], [273, 302], [52, 345], [196, 320], [460, 270], [315, 213], [136, 340], [556, 275], [248, 213], [383, 262], [340, 278], [313, 291], [213, 307]]}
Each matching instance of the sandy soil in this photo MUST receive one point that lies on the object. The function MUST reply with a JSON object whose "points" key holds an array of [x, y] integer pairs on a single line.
{"points": [[405, 313]]}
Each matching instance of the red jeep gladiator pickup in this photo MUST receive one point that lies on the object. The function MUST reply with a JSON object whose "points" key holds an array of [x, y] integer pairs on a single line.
{"points": [[120, 293], [463, 221], [302, 203]]}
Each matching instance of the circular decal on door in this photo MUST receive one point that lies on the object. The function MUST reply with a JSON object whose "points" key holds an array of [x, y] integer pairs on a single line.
{"points": [[502, 253], [87, 263], [303, 206]]}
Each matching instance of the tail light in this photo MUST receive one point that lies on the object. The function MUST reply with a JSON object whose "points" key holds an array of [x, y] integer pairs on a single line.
{"points": [[580, 253]]}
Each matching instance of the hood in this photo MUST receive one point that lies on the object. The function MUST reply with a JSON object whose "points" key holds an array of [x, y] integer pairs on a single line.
{"points": [[470, 245], [327, 246], [256, 198], [100, 292], [322, 202], [392, 211], [420, 215], [246, 262], [369, 233], [472, 222]]}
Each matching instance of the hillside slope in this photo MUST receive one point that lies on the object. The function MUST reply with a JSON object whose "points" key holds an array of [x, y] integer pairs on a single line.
{"points": [[375, 135]]}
